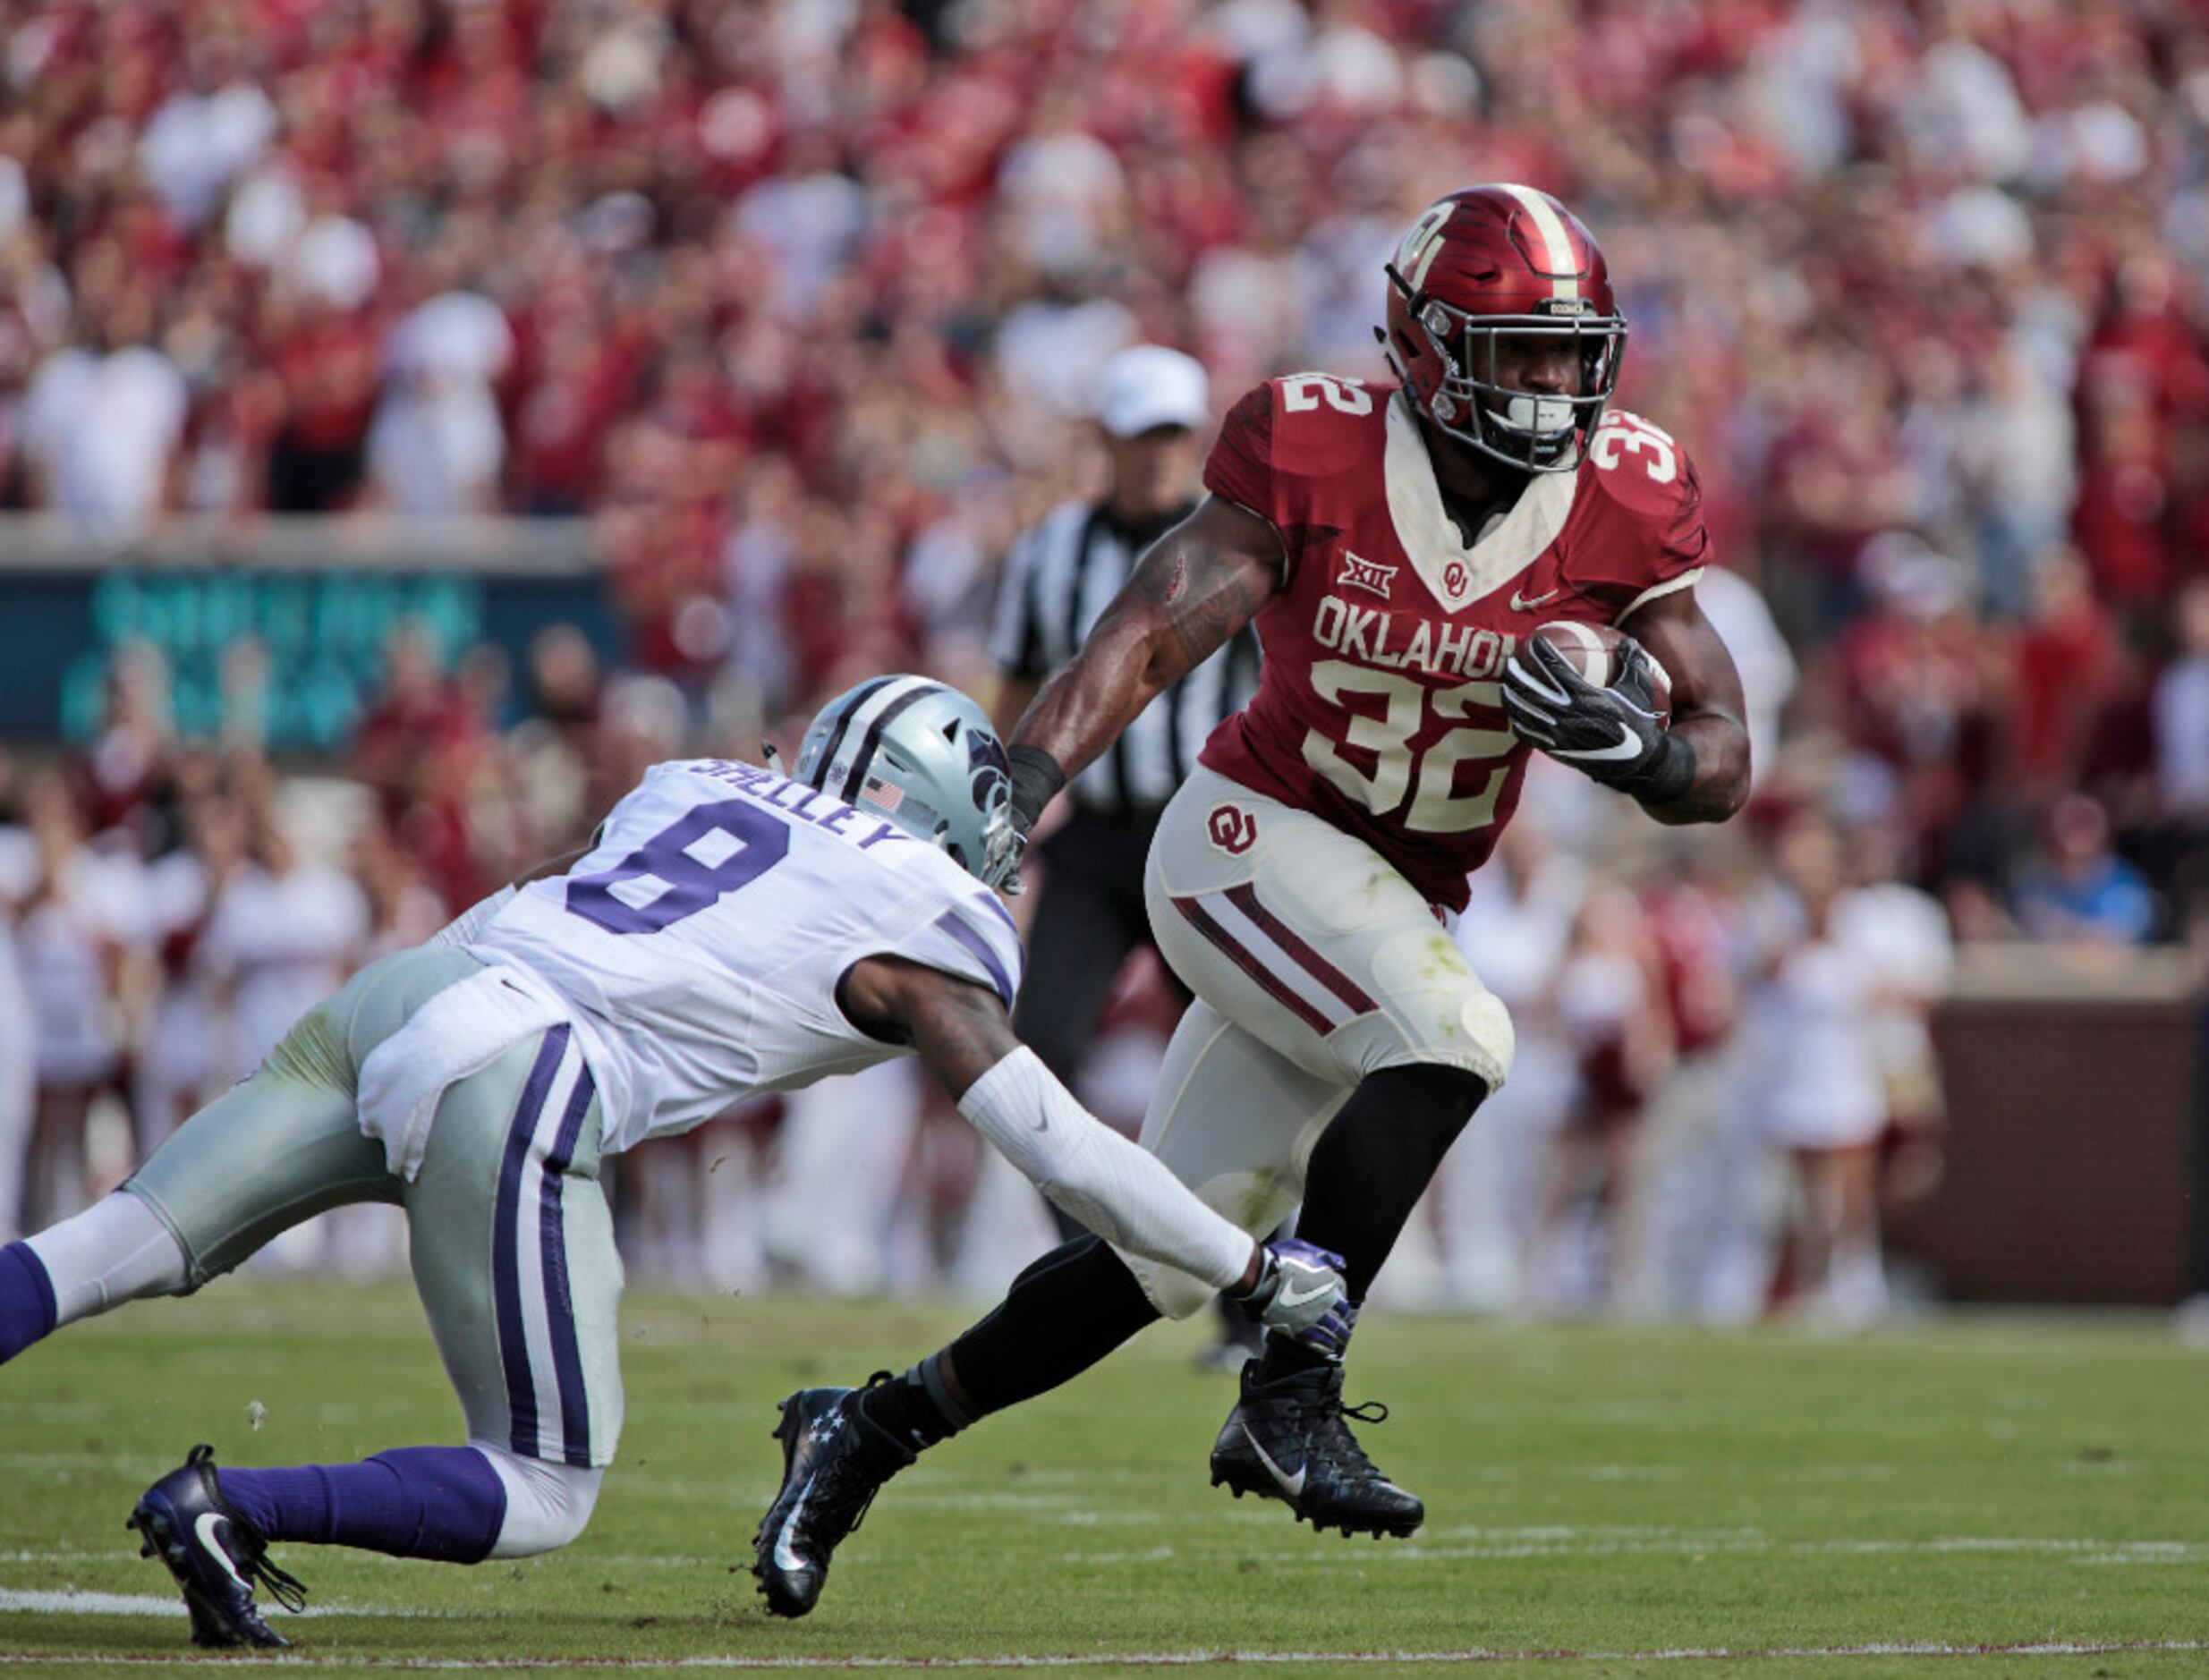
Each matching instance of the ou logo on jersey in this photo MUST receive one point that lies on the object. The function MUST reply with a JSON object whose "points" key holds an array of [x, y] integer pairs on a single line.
{"points": [[1453, 577], [1232, 830]]}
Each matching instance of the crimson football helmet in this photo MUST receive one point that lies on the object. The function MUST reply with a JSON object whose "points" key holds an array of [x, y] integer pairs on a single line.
{"points": [[1479, 266]]}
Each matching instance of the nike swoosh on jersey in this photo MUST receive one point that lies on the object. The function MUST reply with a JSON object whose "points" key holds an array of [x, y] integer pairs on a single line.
{"points": [[203, 1526], [1292, 1298], [1292, 1486], [1528, 603]]}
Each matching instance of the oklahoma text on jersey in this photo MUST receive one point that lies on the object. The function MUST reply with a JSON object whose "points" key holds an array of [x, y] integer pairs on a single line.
{"points": [[1379, 707]]}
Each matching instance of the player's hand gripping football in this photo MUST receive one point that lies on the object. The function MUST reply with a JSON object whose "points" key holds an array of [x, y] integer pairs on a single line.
{"points": [[1613, 735], [1299, 1292]]}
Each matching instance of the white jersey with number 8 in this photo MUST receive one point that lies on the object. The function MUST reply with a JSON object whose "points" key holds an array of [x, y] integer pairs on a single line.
{"points": [[701, 942]]}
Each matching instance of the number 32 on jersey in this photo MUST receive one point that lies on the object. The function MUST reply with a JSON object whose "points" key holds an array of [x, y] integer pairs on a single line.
{"points": [[1429, 777]]}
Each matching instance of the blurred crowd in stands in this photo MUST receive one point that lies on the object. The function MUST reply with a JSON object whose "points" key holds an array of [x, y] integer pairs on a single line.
{"points": [[800, 303]]}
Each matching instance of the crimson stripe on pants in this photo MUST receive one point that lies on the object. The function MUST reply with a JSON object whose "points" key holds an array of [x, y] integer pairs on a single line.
{"points": [[1202, 919], [1245, 898]]}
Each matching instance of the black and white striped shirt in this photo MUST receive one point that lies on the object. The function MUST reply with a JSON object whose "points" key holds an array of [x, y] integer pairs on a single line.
{"points": [[1059, 577]]}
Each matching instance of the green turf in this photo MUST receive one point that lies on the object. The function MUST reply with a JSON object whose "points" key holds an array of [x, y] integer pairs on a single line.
{"points": [[1995, 1480]]}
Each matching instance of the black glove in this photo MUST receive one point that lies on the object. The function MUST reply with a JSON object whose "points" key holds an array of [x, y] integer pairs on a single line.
{"points": [[1609, 733]]}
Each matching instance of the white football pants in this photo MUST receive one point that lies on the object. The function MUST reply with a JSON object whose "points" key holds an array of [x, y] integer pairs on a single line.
{"points": [[1314, 963]]}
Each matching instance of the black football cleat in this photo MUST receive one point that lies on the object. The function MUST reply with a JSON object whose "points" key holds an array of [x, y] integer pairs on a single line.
{"points": [[214, 1553], [833, 1461], [1286, 1440]]}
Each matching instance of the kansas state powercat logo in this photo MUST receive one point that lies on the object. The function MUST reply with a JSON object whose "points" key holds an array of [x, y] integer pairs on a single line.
{"points": [[1365, 574], [1233, 829], [991, 768]]}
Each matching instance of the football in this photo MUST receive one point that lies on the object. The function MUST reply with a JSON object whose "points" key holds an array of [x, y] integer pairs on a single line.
{"points": [[1593, 651]]}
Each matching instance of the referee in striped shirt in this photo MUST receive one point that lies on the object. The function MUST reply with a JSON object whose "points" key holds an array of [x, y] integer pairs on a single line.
{"points": [[1153, 404]]}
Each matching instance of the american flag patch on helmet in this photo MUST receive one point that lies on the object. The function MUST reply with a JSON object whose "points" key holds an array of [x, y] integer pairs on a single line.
{"points": [[882, 796]]}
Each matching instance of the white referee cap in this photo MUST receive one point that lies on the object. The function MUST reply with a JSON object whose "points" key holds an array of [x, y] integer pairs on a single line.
{"points": [[1149, 386]]}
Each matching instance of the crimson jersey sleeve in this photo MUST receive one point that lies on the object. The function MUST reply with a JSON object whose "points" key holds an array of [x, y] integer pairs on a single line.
{"points": [[1240, 467], [1296, 451], [1682, 542], [1649, 538]]}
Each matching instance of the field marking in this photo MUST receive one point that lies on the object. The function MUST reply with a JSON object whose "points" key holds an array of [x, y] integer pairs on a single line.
{"points": [[73, 1601], [1571, 1543], [1158, 1658], [66, 1602]]}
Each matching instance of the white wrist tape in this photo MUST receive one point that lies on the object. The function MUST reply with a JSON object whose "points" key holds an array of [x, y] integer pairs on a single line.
{"points": [[470, 923], [1124, 1195]]}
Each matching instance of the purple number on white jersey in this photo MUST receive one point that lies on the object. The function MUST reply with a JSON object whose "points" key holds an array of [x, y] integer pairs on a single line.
{"points": [[742, 841]]}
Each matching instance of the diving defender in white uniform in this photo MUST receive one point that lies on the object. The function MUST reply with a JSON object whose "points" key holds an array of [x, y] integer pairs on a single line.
{"points": [[731, 930]]}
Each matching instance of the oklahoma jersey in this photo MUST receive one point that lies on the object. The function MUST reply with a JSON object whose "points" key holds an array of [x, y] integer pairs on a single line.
{"points": [[701, 942], [1379, 705]]}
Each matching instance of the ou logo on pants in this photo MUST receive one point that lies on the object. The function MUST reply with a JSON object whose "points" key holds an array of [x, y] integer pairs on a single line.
{"points": [[1233, 829]]}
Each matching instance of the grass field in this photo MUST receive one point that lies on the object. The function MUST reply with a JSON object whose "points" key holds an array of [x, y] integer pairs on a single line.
{"points": [[1601, 1501]]}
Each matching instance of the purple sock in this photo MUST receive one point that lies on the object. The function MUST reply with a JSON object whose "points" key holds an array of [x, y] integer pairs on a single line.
{"points": [[441, 1502], [26, 1299]]}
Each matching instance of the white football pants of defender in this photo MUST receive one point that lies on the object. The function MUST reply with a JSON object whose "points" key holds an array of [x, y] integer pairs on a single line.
{"points": [[1314, 963]]}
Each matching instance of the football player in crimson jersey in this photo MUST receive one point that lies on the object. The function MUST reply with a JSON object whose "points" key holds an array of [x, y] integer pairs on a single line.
{"points": [[1395, 546]]}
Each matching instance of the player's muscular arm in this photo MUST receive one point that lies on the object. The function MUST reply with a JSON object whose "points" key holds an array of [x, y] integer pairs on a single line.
{"points": [[1015, 695], [1193, 589], [966, 1040], [960, 1028], [1707, 708]]}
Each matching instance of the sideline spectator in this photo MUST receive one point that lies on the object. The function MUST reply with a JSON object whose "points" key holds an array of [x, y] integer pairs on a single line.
{"points": [[80, 922], [2181, 713], [103, 420], [2078, 888], [1820, 1086]]}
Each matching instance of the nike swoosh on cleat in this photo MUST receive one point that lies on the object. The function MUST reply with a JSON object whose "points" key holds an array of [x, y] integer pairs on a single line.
{"points": [[203, 1530], [1295, 1298], [1528, 603], [1292, 1486], [785, 1559]]}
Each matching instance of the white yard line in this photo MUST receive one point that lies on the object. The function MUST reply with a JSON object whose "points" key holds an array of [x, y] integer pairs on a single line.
{"points": [[1567, 1543], [70, 1601]]}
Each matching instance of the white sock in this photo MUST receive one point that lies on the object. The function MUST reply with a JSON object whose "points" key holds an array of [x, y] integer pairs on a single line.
{"points": [[115, 1250]]}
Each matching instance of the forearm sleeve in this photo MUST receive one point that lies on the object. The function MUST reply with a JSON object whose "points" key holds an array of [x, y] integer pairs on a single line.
{"points": [[1123, 1194]]}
